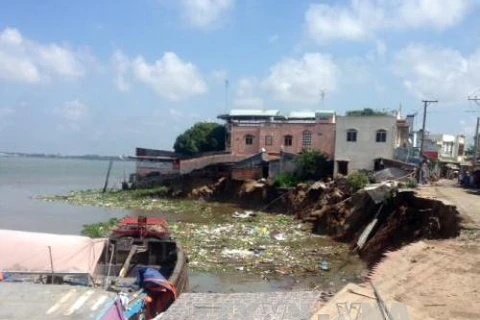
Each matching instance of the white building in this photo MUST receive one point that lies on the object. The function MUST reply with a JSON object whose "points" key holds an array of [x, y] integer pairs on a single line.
{"points": [[360, 140], [449, 148]]}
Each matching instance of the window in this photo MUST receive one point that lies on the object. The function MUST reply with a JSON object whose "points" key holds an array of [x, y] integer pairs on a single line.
{"points": [[248, 139], [268, 140], [381, 136], [351, 135], [307, 139], [288, 141]]}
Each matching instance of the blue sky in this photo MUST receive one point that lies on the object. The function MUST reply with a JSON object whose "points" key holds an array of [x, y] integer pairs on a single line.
{"points": [[81, 77]]}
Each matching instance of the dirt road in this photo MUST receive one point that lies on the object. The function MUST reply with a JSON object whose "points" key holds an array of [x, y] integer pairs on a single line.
{"points": [[437, 279]]}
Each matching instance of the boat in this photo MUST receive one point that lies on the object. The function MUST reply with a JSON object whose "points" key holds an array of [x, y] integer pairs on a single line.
{"points": [[141, 251], [139, 268]]}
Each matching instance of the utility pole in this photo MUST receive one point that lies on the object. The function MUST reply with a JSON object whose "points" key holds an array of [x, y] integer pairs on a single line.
{"points": [[425, 105], [475, 146]]}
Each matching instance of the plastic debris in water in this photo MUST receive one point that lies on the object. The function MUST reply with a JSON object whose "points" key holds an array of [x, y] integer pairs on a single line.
{"points": [[324, 266]]}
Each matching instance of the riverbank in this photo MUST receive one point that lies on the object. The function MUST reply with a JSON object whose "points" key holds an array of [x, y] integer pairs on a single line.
{"points": [[221, 237]]}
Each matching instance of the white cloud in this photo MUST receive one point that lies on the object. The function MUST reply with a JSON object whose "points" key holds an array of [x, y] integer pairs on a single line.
{"points": [[361, 19], [302, 80], [206, 13], [24, 60], [169, 77], [246, 95], [121, 65], [73, 111], [430, 72], [432, 13]]}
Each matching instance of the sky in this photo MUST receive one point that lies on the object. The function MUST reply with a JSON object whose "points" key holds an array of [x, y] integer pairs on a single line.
{"points": [[104, 77]]}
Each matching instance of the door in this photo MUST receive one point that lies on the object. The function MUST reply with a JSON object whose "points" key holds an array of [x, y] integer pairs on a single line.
{"points": [[342, 167]]}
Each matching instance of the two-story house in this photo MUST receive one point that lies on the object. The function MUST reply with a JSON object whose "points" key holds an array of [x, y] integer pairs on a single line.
{"points": [[362, 139], [253, 131]]}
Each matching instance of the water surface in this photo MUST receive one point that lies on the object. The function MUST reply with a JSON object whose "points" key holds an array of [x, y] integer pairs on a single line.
{"points": [[21, 179]]}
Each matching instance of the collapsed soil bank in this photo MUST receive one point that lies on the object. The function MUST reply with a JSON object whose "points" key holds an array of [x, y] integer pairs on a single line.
{"points": [[380, 218]]}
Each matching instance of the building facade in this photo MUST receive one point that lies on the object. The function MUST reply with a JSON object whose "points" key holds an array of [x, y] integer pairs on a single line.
{"points": [[446, 147], [362, 139], [253, 131]]}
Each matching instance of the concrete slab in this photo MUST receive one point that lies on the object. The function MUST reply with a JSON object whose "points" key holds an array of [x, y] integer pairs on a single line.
{"points": [[298, 305]]}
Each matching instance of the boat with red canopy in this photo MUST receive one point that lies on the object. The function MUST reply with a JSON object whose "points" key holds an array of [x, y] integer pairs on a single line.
{"points": [[139, 263]]}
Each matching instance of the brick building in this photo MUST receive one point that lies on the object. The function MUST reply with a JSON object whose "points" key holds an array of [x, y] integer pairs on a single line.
{"points": [[253, 131]]}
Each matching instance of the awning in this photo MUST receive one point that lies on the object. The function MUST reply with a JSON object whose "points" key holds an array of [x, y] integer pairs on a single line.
{"points": [[58, 302], [27, 252], [452, 166]]}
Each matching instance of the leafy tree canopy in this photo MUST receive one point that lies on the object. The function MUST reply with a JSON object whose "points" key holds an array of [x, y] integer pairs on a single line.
{"points": [[313, 165], [367, 112], [201, 137]]}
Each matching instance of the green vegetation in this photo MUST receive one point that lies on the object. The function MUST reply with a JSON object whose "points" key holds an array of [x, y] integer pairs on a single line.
{"points": [[357, 180], [201, 137], [469, 151], [145, 199], [216, 240], [367, 112], [149, 193], [100, 229], [286, 180], [313, 165]]}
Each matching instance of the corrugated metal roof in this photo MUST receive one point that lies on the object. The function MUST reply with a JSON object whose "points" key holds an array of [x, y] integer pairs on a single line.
{"points": [[49, 301], [309, 114], [253, 112], [301, 114]]}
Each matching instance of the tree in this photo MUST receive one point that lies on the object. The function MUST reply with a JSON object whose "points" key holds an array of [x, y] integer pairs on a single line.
{"points": [[469, 151], [367, 112], [201, 137], [313, 165]]}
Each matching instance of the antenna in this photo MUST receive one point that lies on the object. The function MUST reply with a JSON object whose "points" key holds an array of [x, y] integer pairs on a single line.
{"points": [[322, 96]]}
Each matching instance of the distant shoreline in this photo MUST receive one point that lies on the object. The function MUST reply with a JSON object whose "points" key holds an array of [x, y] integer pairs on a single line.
{"points": [[57, 156]]}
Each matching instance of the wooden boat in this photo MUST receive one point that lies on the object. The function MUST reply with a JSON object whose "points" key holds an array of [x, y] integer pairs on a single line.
{"points": [[142, 247], [139, 268]]}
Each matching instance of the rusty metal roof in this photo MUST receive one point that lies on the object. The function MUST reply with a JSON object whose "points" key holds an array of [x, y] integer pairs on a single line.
{"points": [[49, 301]]}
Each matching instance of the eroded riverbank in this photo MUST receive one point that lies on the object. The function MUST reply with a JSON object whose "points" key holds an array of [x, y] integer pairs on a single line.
{"points": [[266, 250]]}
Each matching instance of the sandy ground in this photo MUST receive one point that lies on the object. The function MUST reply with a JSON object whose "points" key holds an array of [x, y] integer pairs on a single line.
{"points": [[435, 279]]}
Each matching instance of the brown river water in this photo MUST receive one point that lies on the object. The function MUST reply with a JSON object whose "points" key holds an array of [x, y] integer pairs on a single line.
{"points": [[22, 179]]}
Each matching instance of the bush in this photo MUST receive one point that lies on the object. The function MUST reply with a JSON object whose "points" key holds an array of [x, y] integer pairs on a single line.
{"points": [[357, 180], [313, 165], [285, 180]]}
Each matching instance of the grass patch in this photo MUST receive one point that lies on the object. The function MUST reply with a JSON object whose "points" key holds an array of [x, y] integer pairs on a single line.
{"points": [[100, 229]]}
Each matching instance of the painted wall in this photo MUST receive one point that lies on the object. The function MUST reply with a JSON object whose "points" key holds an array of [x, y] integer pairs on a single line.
{"points": [[361, 154]]}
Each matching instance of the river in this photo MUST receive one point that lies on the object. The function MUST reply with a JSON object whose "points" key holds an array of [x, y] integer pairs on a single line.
{"points": [[21, 179]]}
